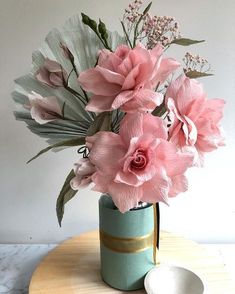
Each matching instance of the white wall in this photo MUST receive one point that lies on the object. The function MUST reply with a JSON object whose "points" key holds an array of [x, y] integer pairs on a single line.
{"points": [[28, 192]]}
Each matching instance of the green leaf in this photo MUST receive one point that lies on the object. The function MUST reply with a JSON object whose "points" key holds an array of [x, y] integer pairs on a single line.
{"points": [[102, 30], [160, 110], [85, 19], [147, 9], [89, 22], [102, 122], [66, 194], [186, 42], [67, 143], [197, 74]]}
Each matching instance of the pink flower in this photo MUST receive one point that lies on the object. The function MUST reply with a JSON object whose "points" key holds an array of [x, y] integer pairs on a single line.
{"points": [[52, 74], [83, 170], [43, 109], [138, 164], [196, 119], [127, 79]]}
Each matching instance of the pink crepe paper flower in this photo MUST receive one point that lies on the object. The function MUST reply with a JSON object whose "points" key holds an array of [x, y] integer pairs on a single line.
{"points": [[52, 74], [43, 109], [127, 79], [195, 118], [138, 164], [83, 170]]}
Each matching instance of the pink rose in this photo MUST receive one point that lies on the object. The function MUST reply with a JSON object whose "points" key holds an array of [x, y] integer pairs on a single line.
{"points": [[138, 164], [195, 118], [127, 79], [83, 170], [43, 109], [52, 74]]}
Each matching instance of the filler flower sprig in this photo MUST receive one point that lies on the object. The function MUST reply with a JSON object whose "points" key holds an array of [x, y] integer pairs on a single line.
{"points": [[151, 30], [196, 66]]}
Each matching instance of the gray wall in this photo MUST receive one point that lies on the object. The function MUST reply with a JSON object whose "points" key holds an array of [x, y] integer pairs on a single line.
{"points": [[28, 192]]}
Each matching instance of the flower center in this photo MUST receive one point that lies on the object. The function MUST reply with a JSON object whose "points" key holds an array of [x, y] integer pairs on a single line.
{"points": [[140, 159]]}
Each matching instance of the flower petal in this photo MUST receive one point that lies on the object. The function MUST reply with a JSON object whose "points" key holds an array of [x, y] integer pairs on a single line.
{"points": [[107, 149], [155, 125], [110, 76], [179, 185], [124, 196], [143, 100], [174, 162], [131, 126], [121, 99], [156, 190], [93, 81], [98, 103]]}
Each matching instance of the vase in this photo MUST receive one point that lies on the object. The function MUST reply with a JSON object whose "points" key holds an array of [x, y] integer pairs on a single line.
{"points": [[127, 244]]}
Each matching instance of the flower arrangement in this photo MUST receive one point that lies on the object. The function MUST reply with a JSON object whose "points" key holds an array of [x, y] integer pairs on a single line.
{"points": [[141, 119]]}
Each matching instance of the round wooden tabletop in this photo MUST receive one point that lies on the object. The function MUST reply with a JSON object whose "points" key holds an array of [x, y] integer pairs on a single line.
{"points": [[73, 266]]}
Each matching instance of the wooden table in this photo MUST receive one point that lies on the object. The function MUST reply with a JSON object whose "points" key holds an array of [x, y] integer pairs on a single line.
{"points": [[73, 266]]}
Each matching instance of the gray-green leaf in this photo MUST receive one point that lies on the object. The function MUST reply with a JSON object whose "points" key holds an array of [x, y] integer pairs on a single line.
{"points": [[102, 122], [197, 74], [66, 194], [67, 143], [186, 42]]}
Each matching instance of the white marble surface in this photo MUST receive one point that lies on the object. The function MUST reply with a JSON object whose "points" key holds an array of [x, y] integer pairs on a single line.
{"points": [[17, 263], [227, 253]]}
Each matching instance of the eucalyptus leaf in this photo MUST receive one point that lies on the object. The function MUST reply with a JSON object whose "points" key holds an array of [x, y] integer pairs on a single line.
{"points": [[102, 122], [66, 194], [193, 74], [67, 143], [186, 42]]}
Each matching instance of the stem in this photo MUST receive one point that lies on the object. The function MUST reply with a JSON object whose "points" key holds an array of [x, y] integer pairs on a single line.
{"points": [[126, 35], [85, 95], [62, 110], [158, 224], [75, 93], [138, 22], [136, 31], [156, 212], [74, 68], [77, 74]]}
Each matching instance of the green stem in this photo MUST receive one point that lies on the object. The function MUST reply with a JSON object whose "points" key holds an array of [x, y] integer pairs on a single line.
{"points": [[126, 35], [75, 93], [85, 95], [138, 22]]}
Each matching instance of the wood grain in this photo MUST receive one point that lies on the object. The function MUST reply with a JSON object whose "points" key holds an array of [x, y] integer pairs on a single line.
{"points": [[73, 266]]}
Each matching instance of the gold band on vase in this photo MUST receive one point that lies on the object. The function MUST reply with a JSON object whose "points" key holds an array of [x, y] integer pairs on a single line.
{"points": [[127, 245]]}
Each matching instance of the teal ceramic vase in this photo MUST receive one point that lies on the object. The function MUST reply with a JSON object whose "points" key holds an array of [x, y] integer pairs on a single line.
{"points": [[126, 244]]}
